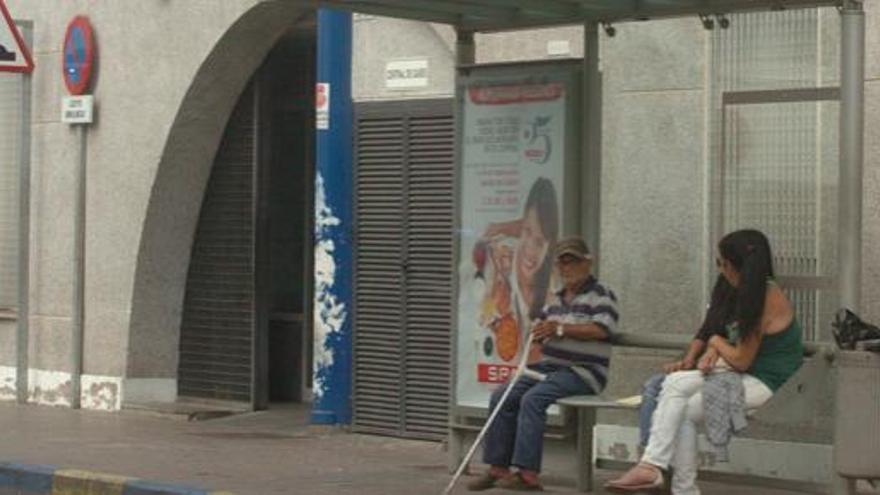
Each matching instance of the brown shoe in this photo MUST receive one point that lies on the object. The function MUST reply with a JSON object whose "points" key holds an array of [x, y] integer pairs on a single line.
{"points": [[515, 482], [484, 482]]}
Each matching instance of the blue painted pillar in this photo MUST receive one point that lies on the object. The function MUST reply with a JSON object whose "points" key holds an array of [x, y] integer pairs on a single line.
{"points": [[334, 194]]}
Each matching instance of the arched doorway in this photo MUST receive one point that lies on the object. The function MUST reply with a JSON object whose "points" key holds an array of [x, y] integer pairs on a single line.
{"points": [[243, 334], [179, 188]]}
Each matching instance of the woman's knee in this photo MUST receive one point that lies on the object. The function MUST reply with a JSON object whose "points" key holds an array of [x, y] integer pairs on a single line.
{"points": [[682, 383], [694, 411]]}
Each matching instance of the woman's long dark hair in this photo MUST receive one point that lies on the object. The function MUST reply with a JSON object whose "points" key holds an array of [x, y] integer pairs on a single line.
{"points": [[542, 197], [722, 306], [748, 251]]}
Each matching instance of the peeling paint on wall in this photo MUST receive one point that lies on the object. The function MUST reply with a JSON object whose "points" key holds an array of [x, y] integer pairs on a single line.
{"points": [[100, 393], [329, 312], [49, 388], [7, 383], [52, 388]]}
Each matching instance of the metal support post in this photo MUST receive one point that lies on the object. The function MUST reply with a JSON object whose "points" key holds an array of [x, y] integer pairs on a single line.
{"points": [[24, 230], [591, 153], [852, 120], [465, 48], [334, 192]]}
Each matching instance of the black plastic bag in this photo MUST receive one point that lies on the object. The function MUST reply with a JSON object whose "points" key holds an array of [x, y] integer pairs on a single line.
{"points": [[849, 330]]}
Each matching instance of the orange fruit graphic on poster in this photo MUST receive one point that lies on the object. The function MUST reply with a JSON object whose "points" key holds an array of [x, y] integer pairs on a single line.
{"points": [[507, 337]]}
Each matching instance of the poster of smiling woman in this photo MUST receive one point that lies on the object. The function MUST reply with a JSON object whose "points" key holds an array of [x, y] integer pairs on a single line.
{"points": [[514, 163]]}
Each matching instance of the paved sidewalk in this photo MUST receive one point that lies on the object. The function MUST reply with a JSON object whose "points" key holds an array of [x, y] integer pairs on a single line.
{"points": [[262, 453]]}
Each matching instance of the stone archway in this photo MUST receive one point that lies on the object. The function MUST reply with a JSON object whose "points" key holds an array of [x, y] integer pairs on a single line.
{"points": [[176, 196]]}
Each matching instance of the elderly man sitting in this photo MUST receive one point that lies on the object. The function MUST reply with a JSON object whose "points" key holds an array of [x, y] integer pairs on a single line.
{"points": [[573, 331]]}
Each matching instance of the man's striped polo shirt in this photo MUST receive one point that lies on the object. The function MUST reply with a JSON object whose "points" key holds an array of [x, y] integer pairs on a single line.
{"points": [[593, 303]]}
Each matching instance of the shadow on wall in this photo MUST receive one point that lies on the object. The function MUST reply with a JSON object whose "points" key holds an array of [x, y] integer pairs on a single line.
{"points": [[181, 179]]}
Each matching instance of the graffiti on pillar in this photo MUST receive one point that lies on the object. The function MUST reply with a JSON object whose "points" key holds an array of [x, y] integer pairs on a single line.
{"points": [[329, 312]]}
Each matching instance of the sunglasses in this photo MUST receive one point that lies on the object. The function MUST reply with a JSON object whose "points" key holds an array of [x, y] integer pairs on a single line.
{"points": [[569, 260]]}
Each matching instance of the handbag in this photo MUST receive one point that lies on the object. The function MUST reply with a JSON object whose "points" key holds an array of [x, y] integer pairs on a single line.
{"points": [[849, 330]]}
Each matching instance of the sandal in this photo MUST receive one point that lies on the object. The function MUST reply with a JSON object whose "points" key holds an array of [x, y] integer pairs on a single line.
{"points": [[641, 477]]}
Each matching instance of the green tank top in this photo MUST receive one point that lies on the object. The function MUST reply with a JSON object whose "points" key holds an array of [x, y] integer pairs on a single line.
{"points": [[779, 356]]}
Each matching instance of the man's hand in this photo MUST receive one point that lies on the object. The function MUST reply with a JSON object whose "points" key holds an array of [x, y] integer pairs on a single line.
{"points": [[707, 362], [544, 330]]}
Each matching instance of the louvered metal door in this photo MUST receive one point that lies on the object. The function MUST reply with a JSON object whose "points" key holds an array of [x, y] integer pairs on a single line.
{"points": [[403, 290], [217, 332]]}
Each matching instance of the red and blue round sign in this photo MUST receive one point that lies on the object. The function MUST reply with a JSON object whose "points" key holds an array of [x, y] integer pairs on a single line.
{"points": [[79, 55]]}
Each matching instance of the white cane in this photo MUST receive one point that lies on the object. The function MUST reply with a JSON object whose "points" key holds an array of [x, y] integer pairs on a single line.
{"points": [[521, 370]]}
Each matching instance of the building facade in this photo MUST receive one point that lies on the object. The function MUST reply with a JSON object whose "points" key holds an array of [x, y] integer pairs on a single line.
{"points": [[200, 202]]}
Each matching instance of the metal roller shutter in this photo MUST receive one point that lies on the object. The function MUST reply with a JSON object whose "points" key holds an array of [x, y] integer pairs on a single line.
{"points": [[10, 154], [216, 337], [405, 177]]}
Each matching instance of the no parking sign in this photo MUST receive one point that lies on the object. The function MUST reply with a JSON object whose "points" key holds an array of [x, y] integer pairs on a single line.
{"points": [[79, 55]]}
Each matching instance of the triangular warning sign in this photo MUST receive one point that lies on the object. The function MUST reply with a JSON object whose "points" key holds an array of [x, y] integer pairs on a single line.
{"points": [[14, 54]]}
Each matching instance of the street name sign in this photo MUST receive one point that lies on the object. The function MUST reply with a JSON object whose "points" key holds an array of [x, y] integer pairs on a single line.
{"points": [[78, 109]]}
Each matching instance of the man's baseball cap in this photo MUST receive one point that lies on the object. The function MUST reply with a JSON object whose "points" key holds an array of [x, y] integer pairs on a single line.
{"points": [[574, 246]]}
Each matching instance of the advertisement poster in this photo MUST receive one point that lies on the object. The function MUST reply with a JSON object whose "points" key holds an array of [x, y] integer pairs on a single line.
{"points": [[512, 169]]}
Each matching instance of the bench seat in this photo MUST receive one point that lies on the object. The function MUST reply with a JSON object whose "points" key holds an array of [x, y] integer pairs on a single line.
{"points": [[586, 407]]}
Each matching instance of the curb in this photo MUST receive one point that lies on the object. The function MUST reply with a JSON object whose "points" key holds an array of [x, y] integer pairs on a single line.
{"points": [[30, 479]]}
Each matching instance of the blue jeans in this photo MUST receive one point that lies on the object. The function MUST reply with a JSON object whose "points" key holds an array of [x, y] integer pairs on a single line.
{"points": [[516, 438], [650, 392]]}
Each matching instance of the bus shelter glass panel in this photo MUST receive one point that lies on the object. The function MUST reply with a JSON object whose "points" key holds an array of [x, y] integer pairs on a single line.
{"points": [[780, 174]]}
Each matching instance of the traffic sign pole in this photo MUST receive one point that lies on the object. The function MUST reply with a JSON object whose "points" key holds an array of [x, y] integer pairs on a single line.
{"points": [[78, 61]]}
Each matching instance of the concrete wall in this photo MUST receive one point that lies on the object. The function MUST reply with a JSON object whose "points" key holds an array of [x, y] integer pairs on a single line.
{"points": [[654, 170], [379, 40], [151, 53]]}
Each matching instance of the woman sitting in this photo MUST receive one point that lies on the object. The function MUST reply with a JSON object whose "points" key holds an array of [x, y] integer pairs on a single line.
{"points": [[764, 344]]}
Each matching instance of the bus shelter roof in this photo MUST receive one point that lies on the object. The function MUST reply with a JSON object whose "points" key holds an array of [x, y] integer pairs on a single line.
{"points": [[504, 15]]}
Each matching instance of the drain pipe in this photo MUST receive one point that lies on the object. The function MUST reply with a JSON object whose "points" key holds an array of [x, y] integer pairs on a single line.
{"points": [[24, 230]]}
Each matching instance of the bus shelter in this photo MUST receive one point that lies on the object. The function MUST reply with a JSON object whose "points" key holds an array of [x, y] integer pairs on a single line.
{"points": [[471, 16], [468, 17]]}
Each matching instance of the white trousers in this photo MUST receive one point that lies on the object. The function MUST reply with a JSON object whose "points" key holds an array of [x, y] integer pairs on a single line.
{"points": [[673, 440]]}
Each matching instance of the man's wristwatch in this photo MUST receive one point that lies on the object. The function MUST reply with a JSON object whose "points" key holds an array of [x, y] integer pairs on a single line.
{"points": [[559, 332]]}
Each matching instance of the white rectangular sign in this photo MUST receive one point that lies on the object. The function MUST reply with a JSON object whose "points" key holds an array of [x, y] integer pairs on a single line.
{"points": [[406, 74], [322, 106], [78, 109]]}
